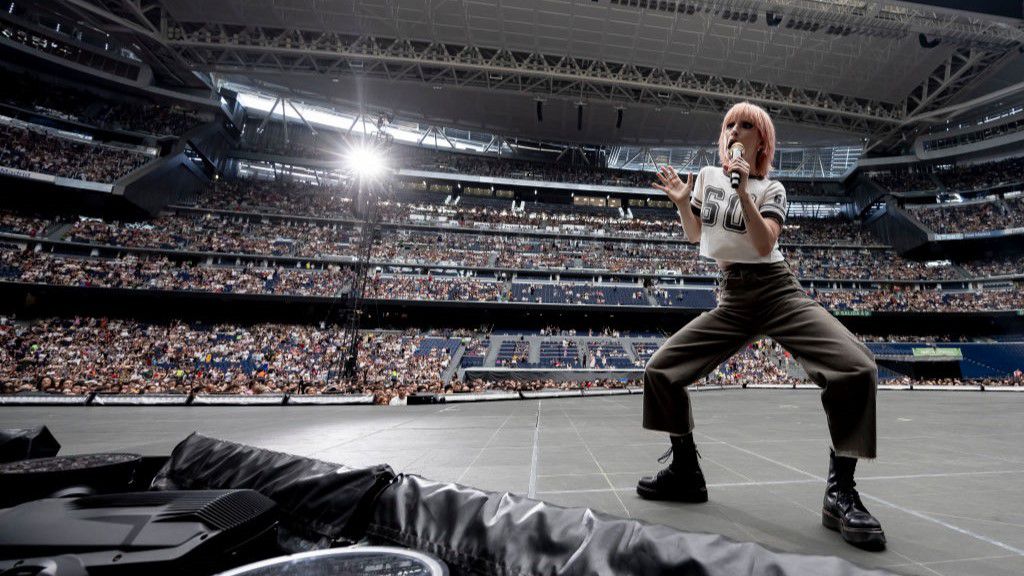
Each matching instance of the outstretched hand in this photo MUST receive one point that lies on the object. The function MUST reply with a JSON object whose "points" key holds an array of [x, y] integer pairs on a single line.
{"points": [[671, 184]]}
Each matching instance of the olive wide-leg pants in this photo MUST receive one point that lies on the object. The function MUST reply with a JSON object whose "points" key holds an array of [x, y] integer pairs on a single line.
{"points": [[766, 299]]}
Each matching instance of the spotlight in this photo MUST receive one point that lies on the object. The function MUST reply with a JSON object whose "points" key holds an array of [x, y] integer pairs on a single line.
{"points": [[365, 161]]}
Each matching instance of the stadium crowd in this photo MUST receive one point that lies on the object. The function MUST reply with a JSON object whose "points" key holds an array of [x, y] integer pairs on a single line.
{"points": [[904, 179], [160, 273], [1002, 266], [863, 263], [912, 299], [434, 288], [243, 234], [994, 214], [982, 176], [1013, 380], [985, 133], [580, 173], [25, 225], [277, 197], [110, 356], [36, 151], [223, 233], [333, 280], [758, 363], [295, 199], [67, 103]]}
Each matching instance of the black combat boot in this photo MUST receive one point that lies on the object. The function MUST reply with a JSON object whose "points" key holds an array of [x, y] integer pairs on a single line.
{"points": [[843, 511], [682, 480]]}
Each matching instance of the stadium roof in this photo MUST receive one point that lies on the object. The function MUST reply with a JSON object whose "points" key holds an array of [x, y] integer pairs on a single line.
{"points": [[831, 72]]}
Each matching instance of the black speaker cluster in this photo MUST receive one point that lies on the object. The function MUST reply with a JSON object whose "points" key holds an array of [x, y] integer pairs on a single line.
{"points": [[85, 514]]}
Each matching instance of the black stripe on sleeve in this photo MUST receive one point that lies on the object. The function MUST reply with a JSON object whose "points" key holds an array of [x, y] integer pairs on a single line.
{"points": [[777, 216]]}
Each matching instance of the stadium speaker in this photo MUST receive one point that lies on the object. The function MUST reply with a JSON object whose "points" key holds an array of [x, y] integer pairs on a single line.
{"points": [[579, 117], [28, 480], [540, 110], [152, 533], [926, 43], [21, 443], [618, 119], [375, 560], [772, 19]]}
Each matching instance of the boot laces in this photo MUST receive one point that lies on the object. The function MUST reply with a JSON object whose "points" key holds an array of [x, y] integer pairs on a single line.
{"points": [[849, 497], [664, 457]]}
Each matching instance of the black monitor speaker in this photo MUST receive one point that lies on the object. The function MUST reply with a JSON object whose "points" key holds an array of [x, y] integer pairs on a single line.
{"points": [[153, 533], [27, 480]]}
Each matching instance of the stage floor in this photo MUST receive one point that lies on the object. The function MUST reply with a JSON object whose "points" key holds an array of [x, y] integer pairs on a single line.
{"points": [[947, 485]]}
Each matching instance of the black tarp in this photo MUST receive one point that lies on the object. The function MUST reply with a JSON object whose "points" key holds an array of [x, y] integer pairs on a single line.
{"points": [[22, 443], [475, 532], [478, 532], [321, 503]]}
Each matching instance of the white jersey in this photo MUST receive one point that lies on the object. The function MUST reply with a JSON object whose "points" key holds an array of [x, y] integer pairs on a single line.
{"points": [[723, 232]]}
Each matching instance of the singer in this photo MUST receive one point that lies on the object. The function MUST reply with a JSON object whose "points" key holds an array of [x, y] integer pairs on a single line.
{"points": [[737, 214]]}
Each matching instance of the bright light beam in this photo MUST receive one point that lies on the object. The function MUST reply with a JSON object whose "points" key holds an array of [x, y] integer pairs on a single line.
{"points": [[365, 161]]}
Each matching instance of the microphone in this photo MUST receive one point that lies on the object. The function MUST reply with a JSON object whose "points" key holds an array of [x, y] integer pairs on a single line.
{"points": [[735, 153]]}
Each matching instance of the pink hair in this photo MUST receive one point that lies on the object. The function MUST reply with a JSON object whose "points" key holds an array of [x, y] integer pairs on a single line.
{"points": [[745, 111]]}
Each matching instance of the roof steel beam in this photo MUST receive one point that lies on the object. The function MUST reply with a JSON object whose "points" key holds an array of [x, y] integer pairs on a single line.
{"points": [[247, 50]]}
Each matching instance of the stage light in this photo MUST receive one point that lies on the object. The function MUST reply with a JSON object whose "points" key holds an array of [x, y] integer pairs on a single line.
{"points": [[365, 161]]}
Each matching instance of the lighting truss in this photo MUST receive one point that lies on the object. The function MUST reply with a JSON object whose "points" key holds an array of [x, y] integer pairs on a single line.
{"points": [[240, 50]]}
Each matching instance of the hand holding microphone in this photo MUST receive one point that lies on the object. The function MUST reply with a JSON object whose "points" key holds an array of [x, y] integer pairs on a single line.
{"points": [[735, 153]]}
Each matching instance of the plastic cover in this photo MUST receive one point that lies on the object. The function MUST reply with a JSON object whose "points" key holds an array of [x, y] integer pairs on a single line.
{"points": [[320, 502], [477, 532]]}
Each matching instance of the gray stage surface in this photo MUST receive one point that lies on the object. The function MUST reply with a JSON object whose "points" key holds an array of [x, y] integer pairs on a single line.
{"points": [[947, 485]]}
